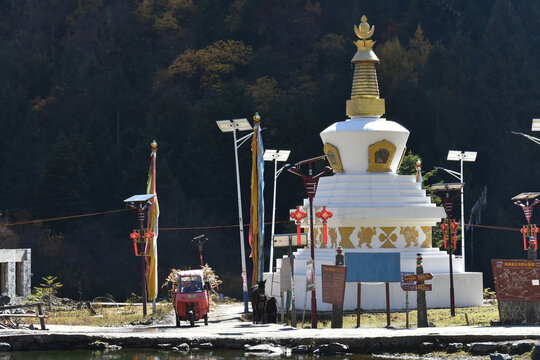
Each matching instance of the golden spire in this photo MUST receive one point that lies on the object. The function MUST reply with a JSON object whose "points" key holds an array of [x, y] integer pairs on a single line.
{"points": [[365, 99]]}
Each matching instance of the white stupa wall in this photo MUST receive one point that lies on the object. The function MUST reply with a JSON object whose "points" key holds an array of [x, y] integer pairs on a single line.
{"points": [[373, 295]]}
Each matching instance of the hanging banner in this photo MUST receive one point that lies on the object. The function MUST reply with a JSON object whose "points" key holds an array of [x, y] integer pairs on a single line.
{"points": [[285, 275], [310, 275]]}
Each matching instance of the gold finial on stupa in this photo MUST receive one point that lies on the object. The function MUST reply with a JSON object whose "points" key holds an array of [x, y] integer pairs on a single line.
{"points": [[364, 33], [365, 99]]}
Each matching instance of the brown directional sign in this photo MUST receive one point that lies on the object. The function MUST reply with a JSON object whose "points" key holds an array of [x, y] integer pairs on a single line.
{"points": [[419, 277], [414, 287]]}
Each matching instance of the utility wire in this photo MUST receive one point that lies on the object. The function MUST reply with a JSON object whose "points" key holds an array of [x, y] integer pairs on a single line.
{"points": [[35, 221]]}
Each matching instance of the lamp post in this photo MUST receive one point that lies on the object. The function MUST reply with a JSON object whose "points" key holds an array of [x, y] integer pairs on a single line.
{"points": [[535, 126], [275, 156], [461, 156], [199, 241], [449, 228], [140, 203], [233, 126], [310, 185]]}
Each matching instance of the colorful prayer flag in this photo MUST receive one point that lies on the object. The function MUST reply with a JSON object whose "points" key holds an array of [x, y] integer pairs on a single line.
{"points": [[256, 224]]}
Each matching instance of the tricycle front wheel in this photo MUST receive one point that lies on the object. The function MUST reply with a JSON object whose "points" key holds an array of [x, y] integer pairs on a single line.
{"points": [[205, 317], [177, 321]]}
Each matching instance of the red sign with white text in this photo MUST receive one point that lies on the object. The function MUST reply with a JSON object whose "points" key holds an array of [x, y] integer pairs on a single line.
{"points": [[517, 280]]}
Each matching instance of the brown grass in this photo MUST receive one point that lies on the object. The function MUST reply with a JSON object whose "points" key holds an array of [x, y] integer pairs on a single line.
{"points": [[106, 316]]}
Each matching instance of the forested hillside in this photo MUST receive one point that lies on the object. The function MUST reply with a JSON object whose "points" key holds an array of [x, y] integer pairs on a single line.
{"points": [[88, 84]]}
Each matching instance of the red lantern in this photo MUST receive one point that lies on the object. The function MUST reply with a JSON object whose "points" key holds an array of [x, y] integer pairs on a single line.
{"points": [[444, 227], [297, 216], [324, 215], [525, 232], [135, 236], [454, 226]]}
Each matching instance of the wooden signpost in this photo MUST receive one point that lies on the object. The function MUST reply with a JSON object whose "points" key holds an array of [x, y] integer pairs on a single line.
{"points": [[420, 287], [418, 277], [416, 287]]}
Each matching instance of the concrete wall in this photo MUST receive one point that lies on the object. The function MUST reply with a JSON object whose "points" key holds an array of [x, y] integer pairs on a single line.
{"points": [[17, 273]]}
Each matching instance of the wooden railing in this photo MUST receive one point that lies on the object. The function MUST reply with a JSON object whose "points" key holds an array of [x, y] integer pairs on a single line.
{"points": [[39, 314]]}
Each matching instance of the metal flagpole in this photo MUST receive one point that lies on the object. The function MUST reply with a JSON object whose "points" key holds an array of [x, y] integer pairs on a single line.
{"points": [[462, 217], [271, 267]]}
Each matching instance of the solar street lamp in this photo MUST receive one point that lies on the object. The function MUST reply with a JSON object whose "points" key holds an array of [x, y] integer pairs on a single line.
{"points": [[275, 156], [199, 241], [461, 156], [529, 231], [234, 126], [140, 203], [442, 191], [310, 186]]}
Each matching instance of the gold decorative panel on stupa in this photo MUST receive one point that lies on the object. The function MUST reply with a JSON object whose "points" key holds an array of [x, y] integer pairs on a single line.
{"points": [[381, 155], [332, 155]]}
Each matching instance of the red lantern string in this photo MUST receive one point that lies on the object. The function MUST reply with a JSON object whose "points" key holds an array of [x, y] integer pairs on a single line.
{"points": [[298, 215], [324, 215], [524, 231]]}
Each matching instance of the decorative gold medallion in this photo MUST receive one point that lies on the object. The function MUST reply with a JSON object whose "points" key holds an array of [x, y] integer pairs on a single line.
{"points": [[365, 234], [332, 155], [381, 155], [410, 233]]}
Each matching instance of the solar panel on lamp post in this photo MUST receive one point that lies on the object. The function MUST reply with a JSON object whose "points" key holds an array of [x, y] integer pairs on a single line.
{"points": [[461, 156], [234, 126], [275, 156], [535, 126]]}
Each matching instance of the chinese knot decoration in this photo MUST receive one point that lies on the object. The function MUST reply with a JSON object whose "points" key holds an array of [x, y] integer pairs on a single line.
{"points": [[453, 226], [135, 237], [324, 215], [532, 234], [298, 215]]}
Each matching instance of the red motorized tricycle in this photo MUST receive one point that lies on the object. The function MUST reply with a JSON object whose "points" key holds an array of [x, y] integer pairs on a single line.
{"points": [[190, 300]]}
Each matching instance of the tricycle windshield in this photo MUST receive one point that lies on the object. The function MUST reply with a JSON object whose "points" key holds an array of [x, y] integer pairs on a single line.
{"points": [[190, 284]]}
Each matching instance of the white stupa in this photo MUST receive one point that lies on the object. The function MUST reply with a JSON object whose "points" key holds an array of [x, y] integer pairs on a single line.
{"points": [[375, 209]]}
